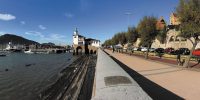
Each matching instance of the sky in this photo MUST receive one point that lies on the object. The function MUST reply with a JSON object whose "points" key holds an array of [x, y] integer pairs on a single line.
{"points": [[55, 20]]}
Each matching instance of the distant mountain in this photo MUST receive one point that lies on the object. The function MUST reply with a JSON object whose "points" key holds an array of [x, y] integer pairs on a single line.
{"points": [[50, 44], [5, 39]]}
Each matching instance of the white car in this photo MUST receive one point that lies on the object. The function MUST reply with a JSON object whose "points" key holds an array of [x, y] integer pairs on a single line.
{"points": [[135, 49], [144, 49]]}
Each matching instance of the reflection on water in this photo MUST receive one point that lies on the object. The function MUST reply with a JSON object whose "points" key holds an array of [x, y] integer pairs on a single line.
{"points": [[27, 75]]}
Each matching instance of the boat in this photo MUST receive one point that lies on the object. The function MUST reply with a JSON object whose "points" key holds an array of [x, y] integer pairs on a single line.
{"points": [[29, 52], [3, 53]]}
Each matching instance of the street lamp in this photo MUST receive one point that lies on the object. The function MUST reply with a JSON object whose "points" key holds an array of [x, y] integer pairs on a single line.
{"points": [[129, 16]]}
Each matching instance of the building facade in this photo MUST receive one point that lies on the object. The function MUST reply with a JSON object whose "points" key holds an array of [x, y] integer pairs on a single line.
{"points": [[173, 39], [161, 24], [83, 44], [174, 20]]}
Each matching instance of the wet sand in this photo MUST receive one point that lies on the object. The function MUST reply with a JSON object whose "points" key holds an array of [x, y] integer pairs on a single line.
{"points": [[180, 81]]}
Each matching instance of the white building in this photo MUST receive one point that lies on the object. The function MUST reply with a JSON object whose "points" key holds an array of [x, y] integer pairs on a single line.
{"points": [[11, 46], [78, 39], [81, 40]]}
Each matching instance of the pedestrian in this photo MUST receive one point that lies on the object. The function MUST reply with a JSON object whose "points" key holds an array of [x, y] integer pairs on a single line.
{"points": [[113, 49], [160, 54], [178, 58]]}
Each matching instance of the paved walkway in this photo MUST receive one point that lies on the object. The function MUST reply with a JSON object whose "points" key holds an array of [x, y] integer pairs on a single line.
{"points": [[193, 65], [184, 83], [113, 83]]}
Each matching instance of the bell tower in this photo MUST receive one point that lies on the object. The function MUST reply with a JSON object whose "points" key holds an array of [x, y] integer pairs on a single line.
{"points": [[76, 32]]}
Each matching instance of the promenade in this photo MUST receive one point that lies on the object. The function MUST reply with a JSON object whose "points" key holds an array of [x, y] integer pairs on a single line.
{"points": [[180, 81], [113, 83]]}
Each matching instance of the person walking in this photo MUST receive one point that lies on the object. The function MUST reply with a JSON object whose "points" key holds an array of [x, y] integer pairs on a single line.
{"points": [[178, 58], [113, 49]]}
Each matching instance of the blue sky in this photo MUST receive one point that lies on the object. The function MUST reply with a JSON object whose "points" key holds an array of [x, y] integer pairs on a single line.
{"points": [[55, 20]]}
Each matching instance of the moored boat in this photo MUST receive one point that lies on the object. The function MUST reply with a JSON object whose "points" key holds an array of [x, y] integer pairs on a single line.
{"points": [[29, 52], [3, 53]]}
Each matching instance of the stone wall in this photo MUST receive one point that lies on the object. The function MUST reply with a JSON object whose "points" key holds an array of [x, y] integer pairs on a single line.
{"points": [[80, 49]]}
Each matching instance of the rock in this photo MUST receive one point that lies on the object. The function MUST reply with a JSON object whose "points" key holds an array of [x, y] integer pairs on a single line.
{"points": [[27, 65], [6, 69]]}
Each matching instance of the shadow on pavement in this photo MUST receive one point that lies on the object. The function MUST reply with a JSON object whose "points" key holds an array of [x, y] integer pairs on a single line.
{"points": [[155, 91]]}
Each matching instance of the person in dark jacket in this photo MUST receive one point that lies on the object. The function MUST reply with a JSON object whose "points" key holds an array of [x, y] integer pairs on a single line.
{"points": [[113, 49], [178, 57]]}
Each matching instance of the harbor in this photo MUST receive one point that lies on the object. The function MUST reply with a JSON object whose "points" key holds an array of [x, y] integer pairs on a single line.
{"points": [[100, 50], [24, 76], [33, 49]]}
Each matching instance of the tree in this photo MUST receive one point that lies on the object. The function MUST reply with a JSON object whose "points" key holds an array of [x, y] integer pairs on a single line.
{"points": [[188, 12], [162, 34], [131, 34], [148, 32], [108, 43], [123, 37]]}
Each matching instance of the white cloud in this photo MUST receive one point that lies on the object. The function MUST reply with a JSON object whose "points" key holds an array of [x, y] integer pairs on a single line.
{"points": [[55, 38], [42, 27], [69, 15], [7, 17], [34, 33], [22, 22], [2, 33]]}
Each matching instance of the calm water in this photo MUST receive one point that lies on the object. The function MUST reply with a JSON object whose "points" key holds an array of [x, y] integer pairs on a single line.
{"points": [[24, 82]]}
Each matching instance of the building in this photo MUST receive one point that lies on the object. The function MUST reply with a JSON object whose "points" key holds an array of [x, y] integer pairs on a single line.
{"points": [[83, 44], [173, 40], [14, 47], [172, 36], [160, 25], [174, 20], [78, 39]]}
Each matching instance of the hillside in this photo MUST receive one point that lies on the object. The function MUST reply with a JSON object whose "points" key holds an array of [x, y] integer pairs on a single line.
{"points": [[5, 39]]}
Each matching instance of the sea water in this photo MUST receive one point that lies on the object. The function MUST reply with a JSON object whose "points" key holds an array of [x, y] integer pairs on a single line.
{"points": [[24, 76]]}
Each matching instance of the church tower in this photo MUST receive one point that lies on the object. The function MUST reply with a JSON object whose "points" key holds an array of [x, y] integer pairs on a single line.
{"points": [[76, 32], [75, 37]]}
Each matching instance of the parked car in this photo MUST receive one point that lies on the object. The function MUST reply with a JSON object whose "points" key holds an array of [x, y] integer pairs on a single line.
{"points": [[130, 48], [144, 49], [183, 51], [152, 49], [196, 52], [169, 50], [137, 49], [159, 50]]}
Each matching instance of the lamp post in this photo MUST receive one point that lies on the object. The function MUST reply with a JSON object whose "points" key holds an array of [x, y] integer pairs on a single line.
{"points": [[129, 16]]}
